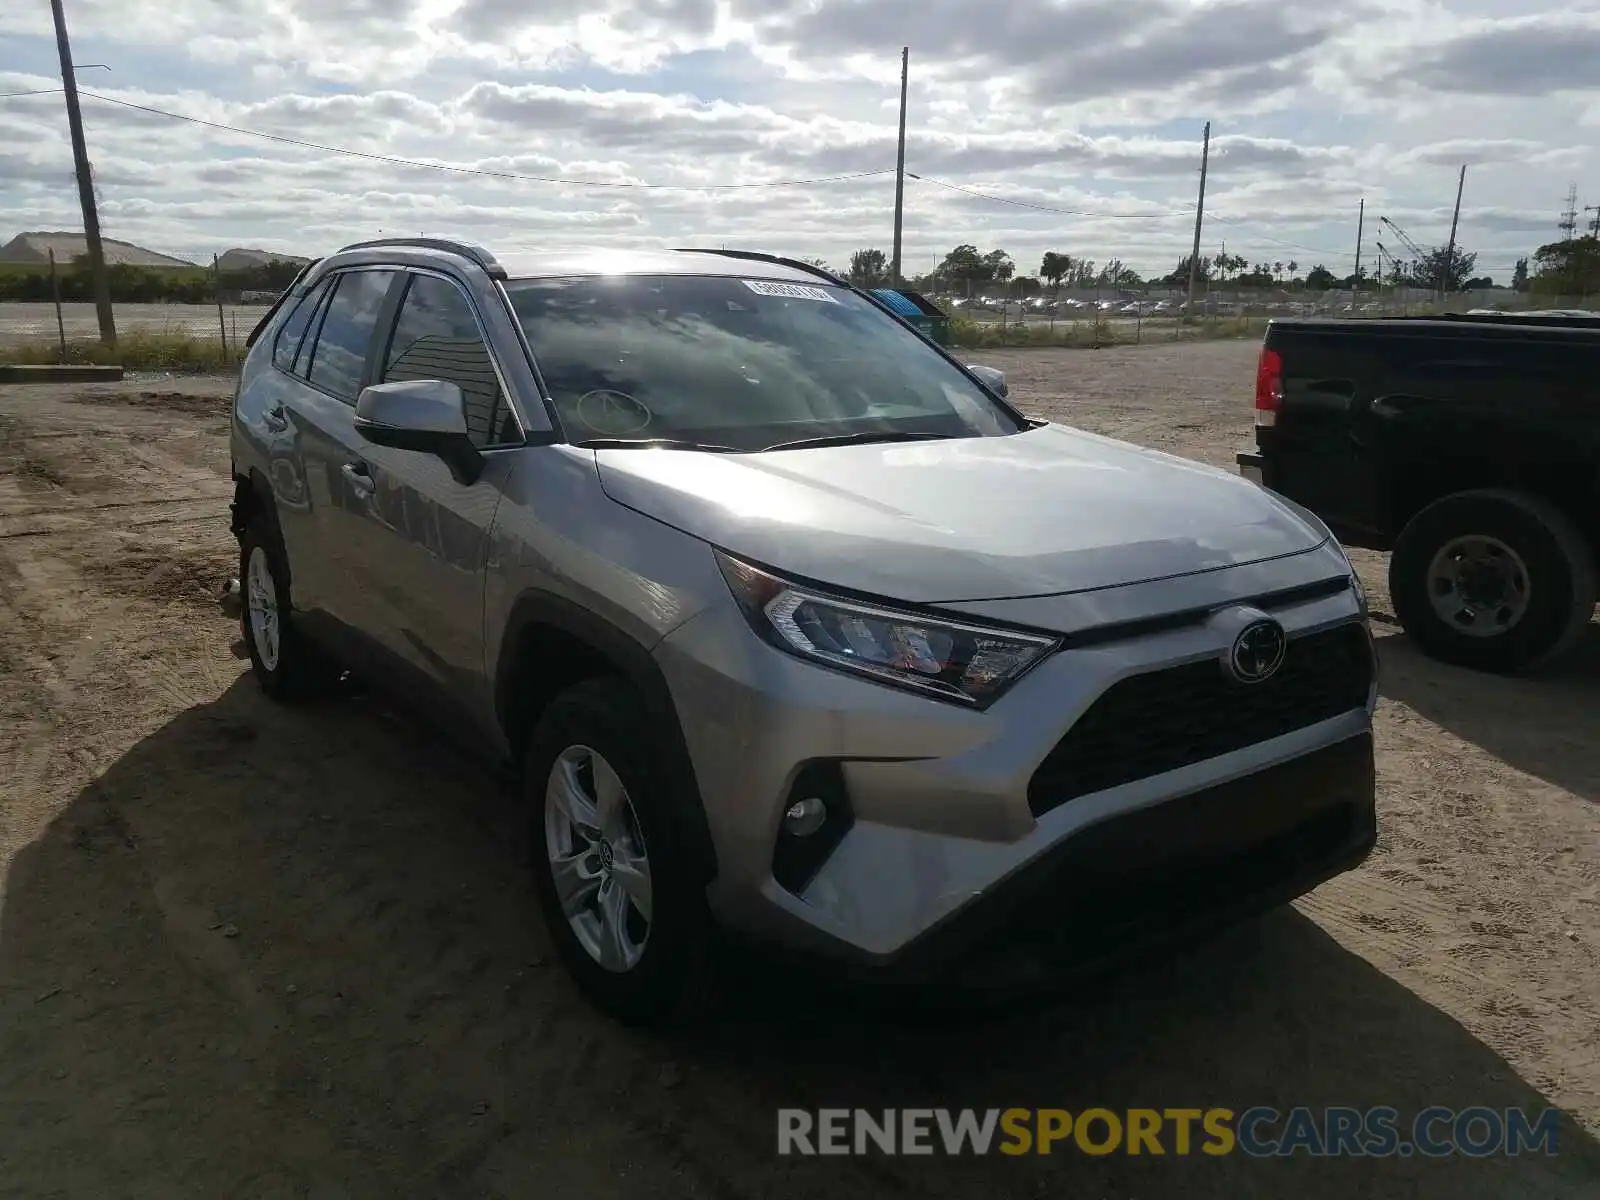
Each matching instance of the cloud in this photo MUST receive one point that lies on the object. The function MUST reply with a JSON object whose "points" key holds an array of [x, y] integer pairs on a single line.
{"points": [[1072, 124], [1534, 56]]}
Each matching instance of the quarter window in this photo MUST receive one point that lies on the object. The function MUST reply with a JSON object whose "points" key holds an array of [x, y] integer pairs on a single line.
{"points": [[436, 336], [339, 357]]}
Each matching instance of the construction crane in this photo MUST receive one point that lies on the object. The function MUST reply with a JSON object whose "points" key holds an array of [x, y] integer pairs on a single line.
{"points": [[1394, 265], [1421, 256]]}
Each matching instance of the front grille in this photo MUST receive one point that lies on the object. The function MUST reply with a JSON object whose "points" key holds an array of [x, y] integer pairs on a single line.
{"points": [[1163, 720]]}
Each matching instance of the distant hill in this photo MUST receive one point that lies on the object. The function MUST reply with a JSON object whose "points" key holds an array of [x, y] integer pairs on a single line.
{"points": [[241, 259], [34, 249]]}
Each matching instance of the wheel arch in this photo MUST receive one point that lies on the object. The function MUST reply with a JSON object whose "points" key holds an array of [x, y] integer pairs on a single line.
{"points": [[551, 643], [1554, 482]]}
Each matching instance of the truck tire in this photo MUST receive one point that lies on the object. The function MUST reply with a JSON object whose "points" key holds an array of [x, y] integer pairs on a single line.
{"points": [[612, 859], [288, 665], [1494, 580]]}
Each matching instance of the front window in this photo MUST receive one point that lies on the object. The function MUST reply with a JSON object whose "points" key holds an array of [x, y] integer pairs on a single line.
{"points": [[740, 364]]}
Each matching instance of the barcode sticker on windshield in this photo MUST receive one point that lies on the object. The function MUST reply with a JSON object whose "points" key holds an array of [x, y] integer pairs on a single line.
{"points": [[789, 291]]}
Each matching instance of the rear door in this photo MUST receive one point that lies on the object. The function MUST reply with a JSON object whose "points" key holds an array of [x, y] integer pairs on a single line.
{"points": [[331, 557]]}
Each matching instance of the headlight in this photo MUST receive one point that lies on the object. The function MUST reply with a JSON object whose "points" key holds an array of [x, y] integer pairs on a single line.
{"points": [[967, 664]]}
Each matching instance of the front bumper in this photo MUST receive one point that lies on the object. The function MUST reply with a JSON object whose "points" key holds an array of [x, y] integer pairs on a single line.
{"points": [[943, 831], [1164, 876]]}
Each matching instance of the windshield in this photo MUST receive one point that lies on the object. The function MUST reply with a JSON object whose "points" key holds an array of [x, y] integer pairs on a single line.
{"points": [[743, 364]]}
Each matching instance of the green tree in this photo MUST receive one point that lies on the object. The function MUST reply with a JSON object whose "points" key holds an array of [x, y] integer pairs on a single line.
{"points": [[1055, 267], [1519, 275], [1320, 279], [964, 265], [1445, 268], [1180, 274], [869, 268], [1000, 266], [1569, 268]]}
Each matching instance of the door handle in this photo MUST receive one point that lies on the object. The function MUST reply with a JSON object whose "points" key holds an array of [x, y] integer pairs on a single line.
{"points": [[359, 476], [275, 419]]}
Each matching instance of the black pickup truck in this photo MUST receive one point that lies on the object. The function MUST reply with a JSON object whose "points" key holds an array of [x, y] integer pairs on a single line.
{"points": [[1467, 446]]}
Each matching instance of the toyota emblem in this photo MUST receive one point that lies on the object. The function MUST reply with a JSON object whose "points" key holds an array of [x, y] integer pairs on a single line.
{"points": [[1257, 652]]}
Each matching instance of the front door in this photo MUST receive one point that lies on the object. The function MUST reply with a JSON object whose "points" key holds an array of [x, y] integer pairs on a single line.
{"points": [[428, 532]]}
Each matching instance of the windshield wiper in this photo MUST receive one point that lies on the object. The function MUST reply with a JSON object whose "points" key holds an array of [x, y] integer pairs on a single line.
{"points": [[655, 444], [856, 439]]}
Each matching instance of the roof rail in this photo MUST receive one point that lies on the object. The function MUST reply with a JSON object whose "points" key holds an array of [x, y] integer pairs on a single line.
{"points": [[758, 256], [466, 249]]}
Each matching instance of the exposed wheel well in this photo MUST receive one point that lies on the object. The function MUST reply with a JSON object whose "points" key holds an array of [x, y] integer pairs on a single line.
{"points": [[1553, 484], [551, 644], [548, 661], [252, 497]]}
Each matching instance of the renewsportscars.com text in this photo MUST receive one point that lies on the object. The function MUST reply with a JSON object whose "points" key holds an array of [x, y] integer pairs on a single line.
{"points": [[1258, 1132]]}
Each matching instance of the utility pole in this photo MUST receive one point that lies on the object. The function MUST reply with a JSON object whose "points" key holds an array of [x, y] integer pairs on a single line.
{"points": [[1361, 226], [1199, 217], [80, 159], [900, 168], [1450, 248]]}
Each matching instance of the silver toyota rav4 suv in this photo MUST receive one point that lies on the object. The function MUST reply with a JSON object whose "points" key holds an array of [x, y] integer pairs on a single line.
{"points": [[795, 627]]}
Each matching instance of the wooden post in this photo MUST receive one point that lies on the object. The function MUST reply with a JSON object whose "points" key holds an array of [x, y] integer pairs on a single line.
{"points": [[55, 295], [216, 290]]}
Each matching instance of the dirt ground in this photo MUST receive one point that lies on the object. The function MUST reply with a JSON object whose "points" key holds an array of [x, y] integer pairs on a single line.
{"points": [[247, 951]]}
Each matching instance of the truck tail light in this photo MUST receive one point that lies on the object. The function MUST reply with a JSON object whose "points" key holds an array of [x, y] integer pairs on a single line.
{"points": [[1269, 388]]}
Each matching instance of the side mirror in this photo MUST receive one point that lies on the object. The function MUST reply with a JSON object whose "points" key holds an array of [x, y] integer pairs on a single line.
{"points": [[991, 377], [425, 415]]}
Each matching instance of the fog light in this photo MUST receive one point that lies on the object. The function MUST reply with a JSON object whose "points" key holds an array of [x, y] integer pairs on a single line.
{"points": [[805, 817]]}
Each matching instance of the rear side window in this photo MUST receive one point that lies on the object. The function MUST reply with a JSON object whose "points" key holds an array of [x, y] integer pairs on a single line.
{"points": [[338, 359], [436, 336], [293, 329]]}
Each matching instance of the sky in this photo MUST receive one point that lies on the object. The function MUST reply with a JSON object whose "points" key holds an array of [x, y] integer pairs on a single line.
{"points": [[1034, 125]]}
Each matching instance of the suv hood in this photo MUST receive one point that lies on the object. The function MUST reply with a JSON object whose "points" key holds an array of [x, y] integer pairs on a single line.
{"points": [[1046, 511]]}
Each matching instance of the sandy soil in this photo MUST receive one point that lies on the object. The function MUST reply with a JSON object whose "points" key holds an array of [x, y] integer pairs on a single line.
{"points": [[254, 952]]}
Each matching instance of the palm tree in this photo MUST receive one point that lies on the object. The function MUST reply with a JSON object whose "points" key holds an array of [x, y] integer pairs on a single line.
{"points": [[1294, 269], [1277, 271]]}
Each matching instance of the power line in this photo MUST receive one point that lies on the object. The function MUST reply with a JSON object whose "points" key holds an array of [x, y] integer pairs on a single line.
{"points": [[34, 92], [481, 171]]}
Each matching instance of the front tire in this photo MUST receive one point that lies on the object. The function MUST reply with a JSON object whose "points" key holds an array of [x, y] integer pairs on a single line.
{"points": [[612, 865], [1492, 580], [287, 665]]}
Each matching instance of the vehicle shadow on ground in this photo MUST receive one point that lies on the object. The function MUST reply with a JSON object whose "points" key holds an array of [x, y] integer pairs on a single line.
{"points": [[1547, 724], [295, 953]]}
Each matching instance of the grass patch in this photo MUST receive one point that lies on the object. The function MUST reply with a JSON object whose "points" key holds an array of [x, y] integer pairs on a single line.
{"points": [[137, 350], [978, 335]]}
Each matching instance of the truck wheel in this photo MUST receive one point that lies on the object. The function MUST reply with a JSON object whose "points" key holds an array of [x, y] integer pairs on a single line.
{"points": [[611, 862], [287, 665], [1492, 580]]}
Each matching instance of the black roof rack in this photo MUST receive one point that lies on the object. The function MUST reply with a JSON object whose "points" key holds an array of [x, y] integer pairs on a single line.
{"points": [[466, 249]]}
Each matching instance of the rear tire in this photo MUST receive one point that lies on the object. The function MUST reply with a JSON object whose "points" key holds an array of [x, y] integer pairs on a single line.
{"points": [[288, 665], [1496, 581], [594, 761]]}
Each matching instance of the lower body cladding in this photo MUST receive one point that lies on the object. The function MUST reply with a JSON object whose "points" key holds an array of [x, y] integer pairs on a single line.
{"points": [[1119, 791]]}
